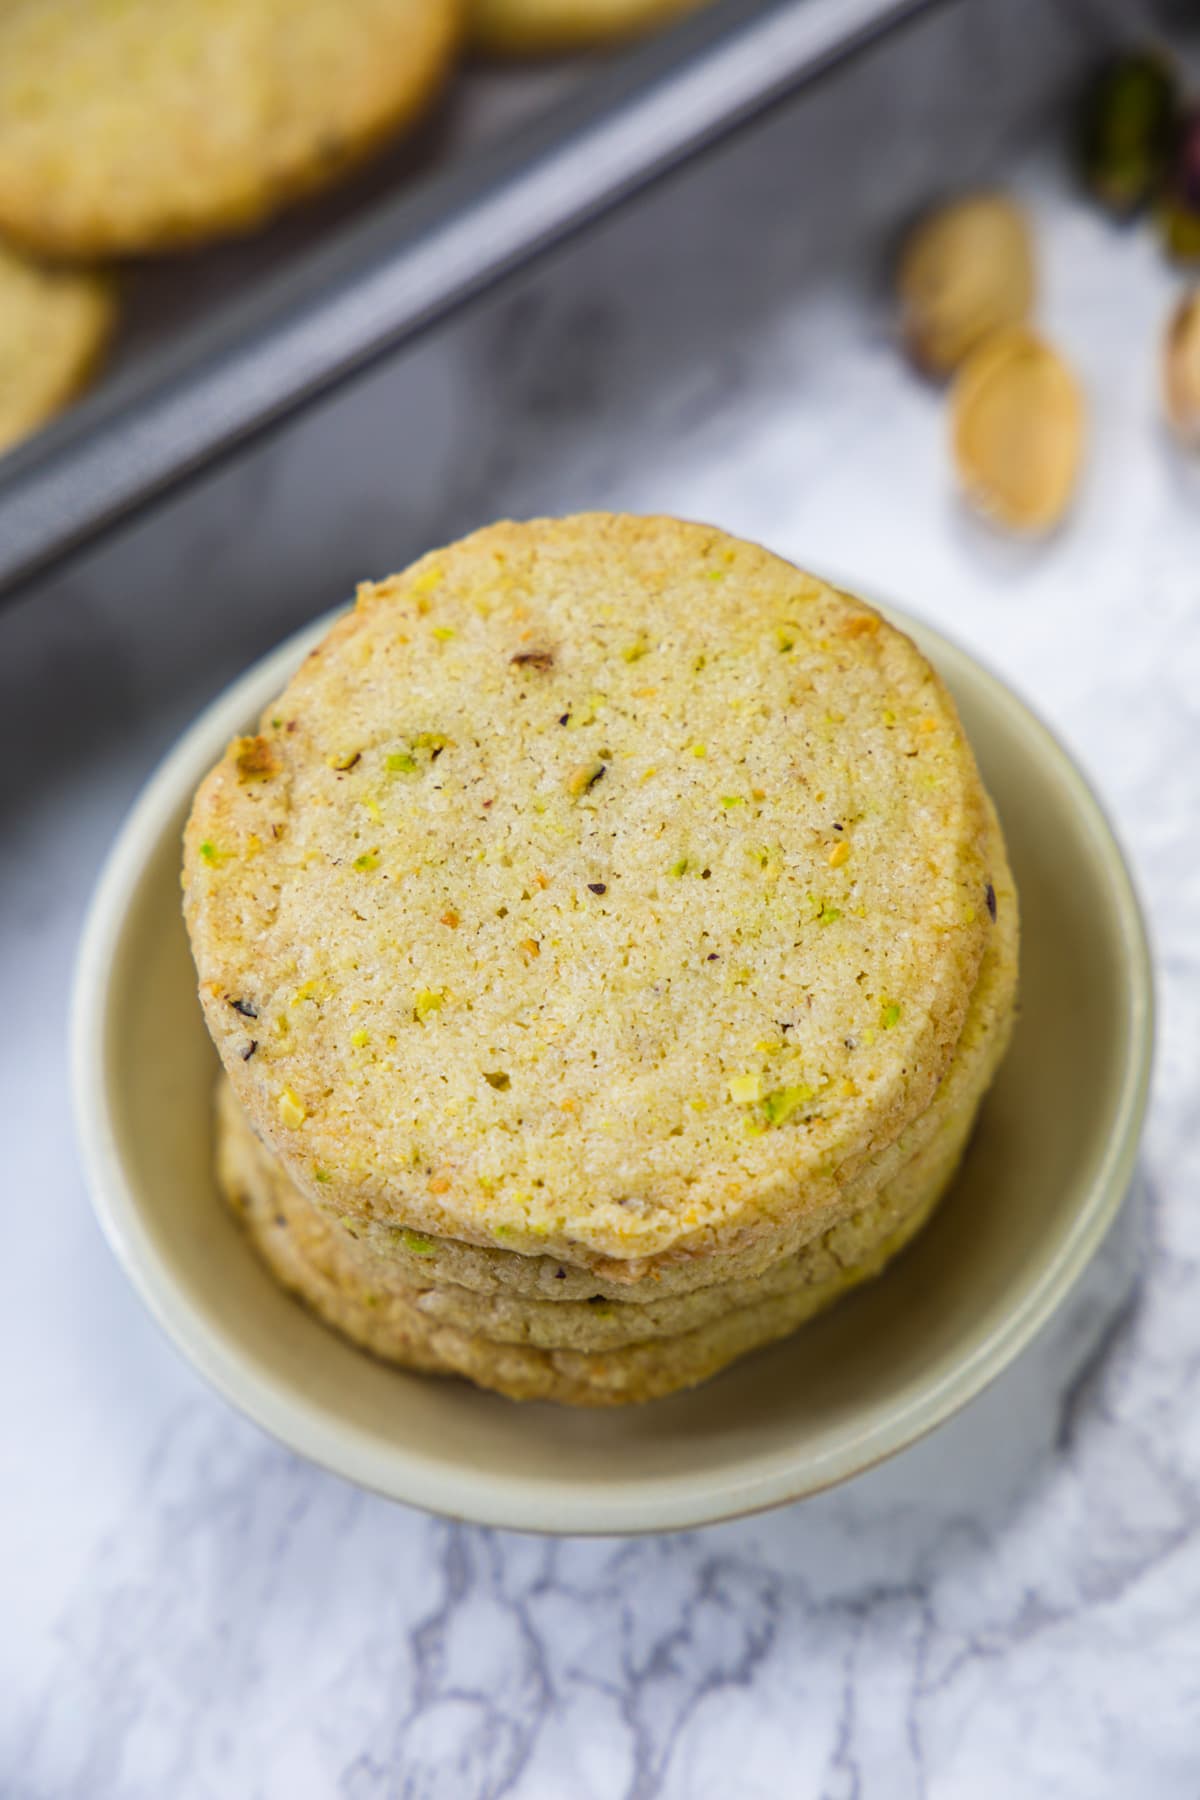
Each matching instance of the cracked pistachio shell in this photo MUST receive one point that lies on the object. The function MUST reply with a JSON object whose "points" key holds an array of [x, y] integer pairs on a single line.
{"points": [[1181, 370], [1017, 417], [965, 272]]}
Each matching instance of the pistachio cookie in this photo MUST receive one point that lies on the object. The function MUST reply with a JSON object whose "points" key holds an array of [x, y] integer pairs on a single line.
{"points": [[601, 888], [137, 127], [54, 325]]}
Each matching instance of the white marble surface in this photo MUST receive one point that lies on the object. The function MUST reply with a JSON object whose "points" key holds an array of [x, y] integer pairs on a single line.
{"points": [[1013, 1607]]}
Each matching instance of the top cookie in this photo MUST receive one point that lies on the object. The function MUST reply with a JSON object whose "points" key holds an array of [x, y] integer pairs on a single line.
{"points": [[142, 126], [599, 887]]}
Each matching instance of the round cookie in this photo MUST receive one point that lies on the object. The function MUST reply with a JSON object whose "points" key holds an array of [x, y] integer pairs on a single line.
{"points": [[547, 27], [602, 887], [515, 1297], [139, 127], [54, 325], [316, 1263]]}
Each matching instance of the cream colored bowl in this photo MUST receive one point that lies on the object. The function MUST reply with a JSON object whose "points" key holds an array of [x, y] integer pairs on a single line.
{"points": [[1043, 1179]]}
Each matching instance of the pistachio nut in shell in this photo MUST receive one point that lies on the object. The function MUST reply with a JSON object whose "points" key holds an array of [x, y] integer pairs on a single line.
{"points": [[965, 271], [1181, 370], [1017, 417]]}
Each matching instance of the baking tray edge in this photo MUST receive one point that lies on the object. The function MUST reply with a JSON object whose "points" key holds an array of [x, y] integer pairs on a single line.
{"points": [[378, 283]]}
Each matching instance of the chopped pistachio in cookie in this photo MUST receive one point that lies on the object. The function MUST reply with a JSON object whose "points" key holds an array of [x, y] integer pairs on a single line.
{"points": [[604, 888]]}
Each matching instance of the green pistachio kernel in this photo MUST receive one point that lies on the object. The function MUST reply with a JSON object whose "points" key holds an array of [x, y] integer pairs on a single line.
{"points": [[779, 1106], [420, 1246]]}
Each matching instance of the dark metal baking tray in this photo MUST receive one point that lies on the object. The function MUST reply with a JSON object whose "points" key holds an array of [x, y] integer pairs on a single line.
{"points": [[220, 347]]}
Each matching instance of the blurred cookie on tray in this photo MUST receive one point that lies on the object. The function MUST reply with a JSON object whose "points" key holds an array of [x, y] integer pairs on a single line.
{"points": [[144, 127], [55, 323]]}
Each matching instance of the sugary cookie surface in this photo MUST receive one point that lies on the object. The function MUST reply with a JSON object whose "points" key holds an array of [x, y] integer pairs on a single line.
{"points": [[599, 885]]}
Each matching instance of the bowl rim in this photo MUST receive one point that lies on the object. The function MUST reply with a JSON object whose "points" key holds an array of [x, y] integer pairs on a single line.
{"points": [[482, 1496]]}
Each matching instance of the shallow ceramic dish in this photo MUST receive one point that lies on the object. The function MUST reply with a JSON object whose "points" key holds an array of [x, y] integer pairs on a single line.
{"points": [[1045, 1174]]}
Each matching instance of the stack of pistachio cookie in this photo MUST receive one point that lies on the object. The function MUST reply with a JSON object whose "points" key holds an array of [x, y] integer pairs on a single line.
{"points": [[608, 941]]}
